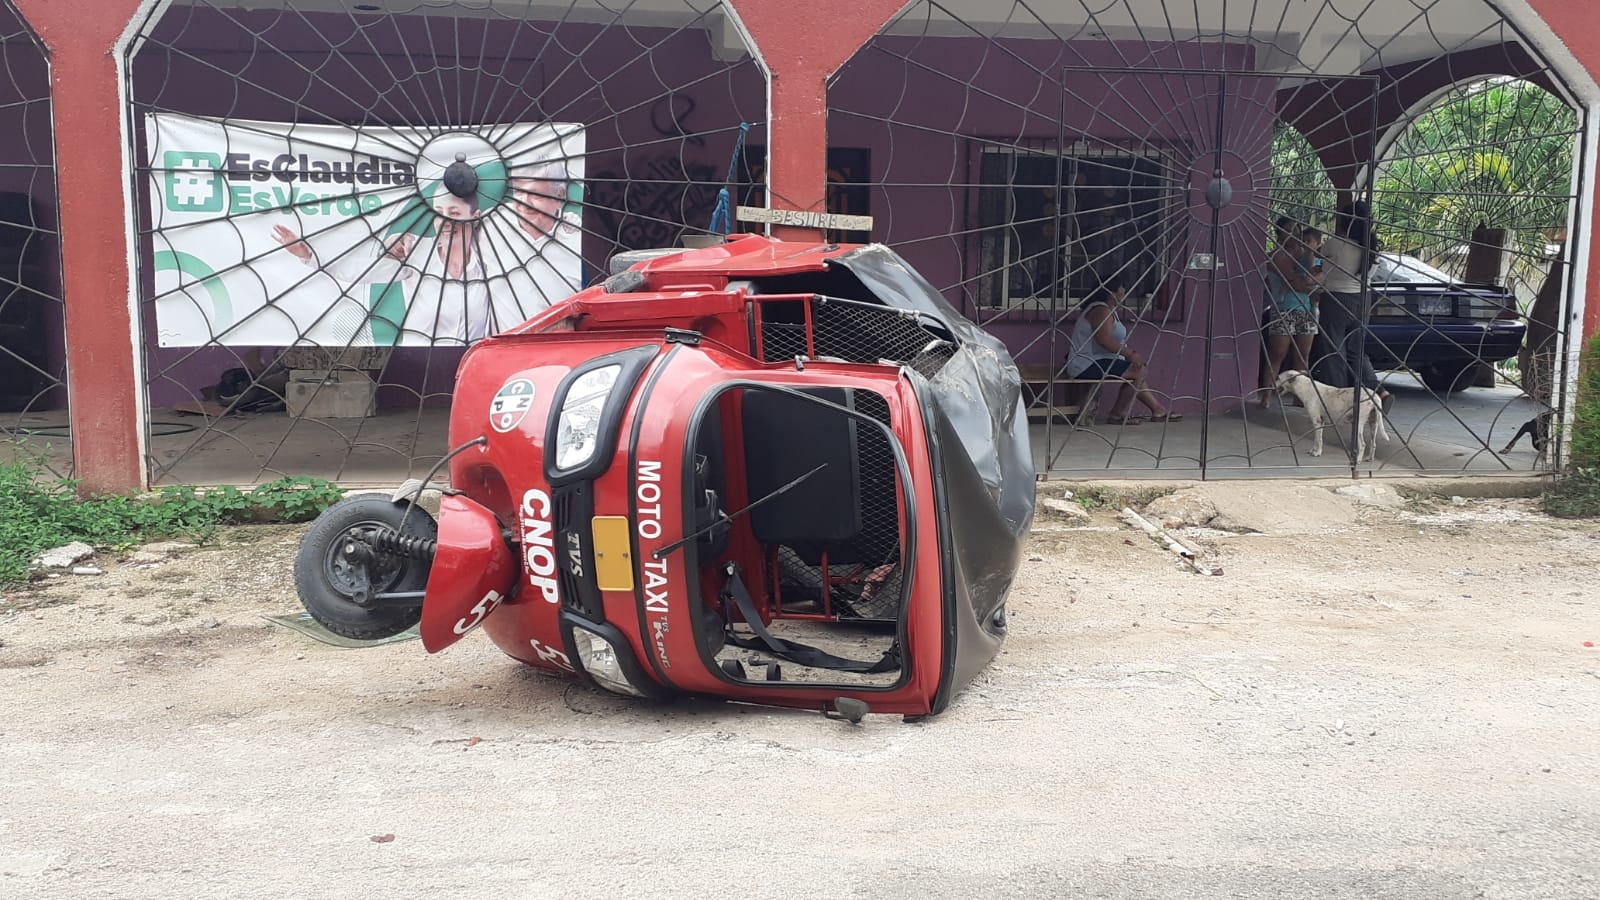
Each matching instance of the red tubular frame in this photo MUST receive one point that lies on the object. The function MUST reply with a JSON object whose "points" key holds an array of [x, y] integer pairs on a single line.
{"points": [[774, 592], [808, 300]]}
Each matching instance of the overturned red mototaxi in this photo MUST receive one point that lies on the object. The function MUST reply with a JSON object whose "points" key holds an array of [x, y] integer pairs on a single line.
{"points": [[779, 473]]}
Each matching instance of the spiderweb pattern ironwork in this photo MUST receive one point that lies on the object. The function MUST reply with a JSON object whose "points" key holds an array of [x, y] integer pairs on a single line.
{"points": [[1026, 156], [33, 396], [336, 198]]}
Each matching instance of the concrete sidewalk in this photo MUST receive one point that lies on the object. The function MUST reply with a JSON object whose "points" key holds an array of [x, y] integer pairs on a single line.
{"points": [[1463, 435]]}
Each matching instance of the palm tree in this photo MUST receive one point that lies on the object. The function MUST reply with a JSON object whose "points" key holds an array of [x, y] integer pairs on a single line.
{"points": [[1301, 188], [1495, 153]]}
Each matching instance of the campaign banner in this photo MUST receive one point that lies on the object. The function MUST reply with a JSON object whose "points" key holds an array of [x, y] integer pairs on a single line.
{"points": [[282, 234]]}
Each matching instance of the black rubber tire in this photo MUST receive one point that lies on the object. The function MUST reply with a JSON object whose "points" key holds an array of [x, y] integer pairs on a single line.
{"points": [[1446, 379], [326, 591]]}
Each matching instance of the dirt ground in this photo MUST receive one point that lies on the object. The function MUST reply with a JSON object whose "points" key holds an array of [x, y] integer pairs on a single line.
{"points": [[1367, 702]]}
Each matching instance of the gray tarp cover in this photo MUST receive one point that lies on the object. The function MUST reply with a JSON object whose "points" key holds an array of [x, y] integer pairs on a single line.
{"points": [[978, 392]]}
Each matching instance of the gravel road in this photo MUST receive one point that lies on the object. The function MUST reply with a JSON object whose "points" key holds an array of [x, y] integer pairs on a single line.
{"points": [[1368, 702]]}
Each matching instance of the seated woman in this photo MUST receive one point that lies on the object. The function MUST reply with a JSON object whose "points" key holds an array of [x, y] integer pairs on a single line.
{"points": [[1100, 350]]}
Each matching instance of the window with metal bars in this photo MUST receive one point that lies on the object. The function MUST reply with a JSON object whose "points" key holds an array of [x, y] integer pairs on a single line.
{"points": [[1055, 227]]}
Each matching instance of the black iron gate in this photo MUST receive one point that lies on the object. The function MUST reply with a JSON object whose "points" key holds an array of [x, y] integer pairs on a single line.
{"points": [[1184, 217], [1159, 145], [336, 199], [33, 392]]}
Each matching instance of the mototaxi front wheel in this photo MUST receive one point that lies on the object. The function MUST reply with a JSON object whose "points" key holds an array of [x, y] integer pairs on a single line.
{"points": [[332, 582]]}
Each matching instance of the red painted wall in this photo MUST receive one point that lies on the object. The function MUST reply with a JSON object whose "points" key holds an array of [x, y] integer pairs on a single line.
{"points": [[102, 378], [800, 53], [1576, 23]]}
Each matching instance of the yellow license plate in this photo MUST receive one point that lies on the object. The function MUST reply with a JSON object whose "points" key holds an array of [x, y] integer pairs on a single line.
{"points": [[613, 554]]}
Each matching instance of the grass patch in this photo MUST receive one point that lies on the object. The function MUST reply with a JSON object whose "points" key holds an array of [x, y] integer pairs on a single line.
{"points": [[1096, 496], [39, 511], [1575, 495]]}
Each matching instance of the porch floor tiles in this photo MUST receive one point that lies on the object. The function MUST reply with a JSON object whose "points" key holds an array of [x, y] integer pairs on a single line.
{"points": [[1425, 435], [1463, 435], [257, 447], [252, 448]]}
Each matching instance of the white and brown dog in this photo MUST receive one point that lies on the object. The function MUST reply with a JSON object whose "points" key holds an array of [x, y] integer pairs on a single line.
{"points": [[1334, 406]]}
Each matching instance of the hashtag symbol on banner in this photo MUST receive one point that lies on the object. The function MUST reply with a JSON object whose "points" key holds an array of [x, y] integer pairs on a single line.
{"points": [[190, 189], [193, 184]]}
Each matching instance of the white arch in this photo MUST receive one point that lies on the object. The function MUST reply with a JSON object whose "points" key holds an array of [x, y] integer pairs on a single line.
{"points": [[1586, 91], [121, 56]]}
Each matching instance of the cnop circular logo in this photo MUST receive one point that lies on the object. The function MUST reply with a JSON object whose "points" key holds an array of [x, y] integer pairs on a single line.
{"points": [[511, 403]]}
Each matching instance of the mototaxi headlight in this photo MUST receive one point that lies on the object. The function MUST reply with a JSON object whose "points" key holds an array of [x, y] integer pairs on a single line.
{"points": [[599, 660], [578, 429]]}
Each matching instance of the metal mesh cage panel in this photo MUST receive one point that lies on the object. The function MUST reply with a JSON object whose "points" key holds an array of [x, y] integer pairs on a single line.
{"points": [[843, 329], [336, 199], [33, 396]]}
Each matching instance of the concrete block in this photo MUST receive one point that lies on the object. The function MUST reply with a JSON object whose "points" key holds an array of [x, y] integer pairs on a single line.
{"points": [[315, 394]]}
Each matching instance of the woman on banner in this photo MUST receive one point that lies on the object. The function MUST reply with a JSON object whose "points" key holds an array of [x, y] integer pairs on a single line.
{"points": [[451, 300]]}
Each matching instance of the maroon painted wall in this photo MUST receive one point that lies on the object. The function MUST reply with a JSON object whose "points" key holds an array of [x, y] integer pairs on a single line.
{"points": [[921, 104], [27, 165]]}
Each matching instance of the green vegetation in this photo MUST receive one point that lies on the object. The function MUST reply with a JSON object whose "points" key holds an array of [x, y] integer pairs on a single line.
{"points": [[1586, 411], [39, 512], [1301, 188], [1575, 495], [1497, 152], [1095, 496], [1577, 492]]}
